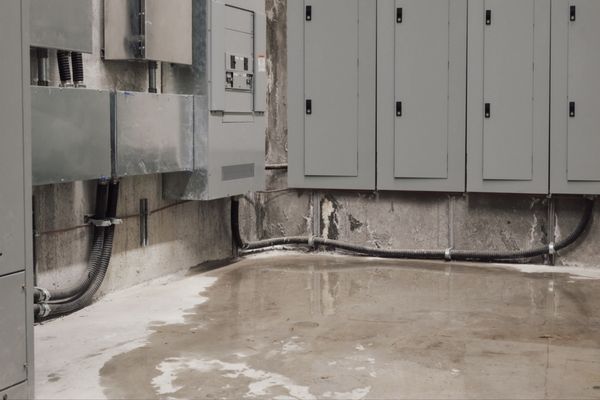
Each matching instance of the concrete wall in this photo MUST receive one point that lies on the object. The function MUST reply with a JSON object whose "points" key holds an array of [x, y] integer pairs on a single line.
{"points": [[193, 233], [399, 220]]}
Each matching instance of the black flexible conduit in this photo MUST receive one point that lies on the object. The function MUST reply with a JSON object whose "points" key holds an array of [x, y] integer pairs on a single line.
{"points": [[64, 67], [102, 255], [59, 295], [447, 255], [77, 65]]}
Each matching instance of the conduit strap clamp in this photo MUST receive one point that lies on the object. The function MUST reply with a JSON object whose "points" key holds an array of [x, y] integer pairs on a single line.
{"points": [[311, 241], [552, 249], [448, 254], [105, 223]]}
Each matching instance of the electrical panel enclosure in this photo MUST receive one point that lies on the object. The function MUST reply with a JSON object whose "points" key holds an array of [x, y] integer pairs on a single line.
{"points": [[155, 30], [16, 260], [227, 79], [422, 56], [575, 127], [62, 24], [508, 112], [332, 93]]}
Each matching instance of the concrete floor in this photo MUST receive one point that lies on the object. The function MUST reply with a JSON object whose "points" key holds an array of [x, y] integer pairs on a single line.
{"points": [[332, 327]]}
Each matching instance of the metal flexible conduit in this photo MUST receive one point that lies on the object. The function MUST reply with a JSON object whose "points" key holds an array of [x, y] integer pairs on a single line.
{"points": [[82, 295], [446, 255]]}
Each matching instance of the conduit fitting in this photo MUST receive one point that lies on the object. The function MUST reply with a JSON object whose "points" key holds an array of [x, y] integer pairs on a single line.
{"points": [[42, 311], [448, 254], [311, 241], [104, 223], [552, 249], [41, 295]]}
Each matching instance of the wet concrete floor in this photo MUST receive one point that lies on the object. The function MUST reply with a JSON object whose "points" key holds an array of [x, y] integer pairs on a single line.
{"points": [[332, 327]]}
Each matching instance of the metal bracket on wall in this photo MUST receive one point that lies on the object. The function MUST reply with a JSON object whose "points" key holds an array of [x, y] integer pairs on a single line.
{"points": [[141, 20], [144, 214]]}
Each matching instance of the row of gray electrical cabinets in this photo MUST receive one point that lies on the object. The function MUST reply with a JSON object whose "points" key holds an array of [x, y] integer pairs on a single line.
{"points": [[451, 96]]}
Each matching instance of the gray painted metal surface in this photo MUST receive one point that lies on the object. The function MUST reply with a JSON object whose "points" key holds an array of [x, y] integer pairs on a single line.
{"points": [[509, 77], [228, 146], [154, 133], [13, 330], [62, 24], [16, 253], [162, 33], [575, 167], [12, 194], [71, 135], [332, 64], [422, 64]]}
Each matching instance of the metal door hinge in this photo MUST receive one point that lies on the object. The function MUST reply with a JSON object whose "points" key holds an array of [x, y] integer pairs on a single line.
{"points": [[398, 109], [308, 107], [572, 109], [488, 17], [399, 15], [488, 110], [573, 13], [309, 13]]}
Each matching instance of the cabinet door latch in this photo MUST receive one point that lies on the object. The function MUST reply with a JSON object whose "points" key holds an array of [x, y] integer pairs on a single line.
{"points": [[398, 109], [399, 15], [488, 17], [572, 109], [573, 16], [488, 110], [309, 13], [308, 107]]}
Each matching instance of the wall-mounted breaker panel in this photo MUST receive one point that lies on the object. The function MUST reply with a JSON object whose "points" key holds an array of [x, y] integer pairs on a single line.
{"points": [[332, 93], [228, 81], [71, 134], [153, 133], [16, 261], [422, 56], [156, 30], [509, 91], [62, 24], [575, 126]]}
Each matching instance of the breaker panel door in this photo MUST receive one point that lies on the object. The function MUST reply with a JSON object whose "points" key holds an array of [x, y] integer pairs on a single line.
{"points": [[13, 330], [332, 93], [331, 87], [509, 75], [12, 209], [422, 94], [575, 97]]}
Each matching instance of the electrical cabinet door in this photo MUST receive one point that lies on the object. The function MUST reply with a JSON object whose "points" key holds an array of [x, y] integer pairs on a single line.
{"points": [[12, 176], [332, 84], [13, 330], [575, 97], [509, 50], [422, 51]]}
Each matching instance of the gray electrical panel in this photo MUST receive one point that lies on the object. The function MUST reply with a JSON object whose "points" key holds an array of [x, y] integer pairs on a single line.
{"points": [[332, 53], [228, 81], [16, 277], [157, 30], [62, 24], [508, 113], [421, 123], [575, 125], [71, 134]]}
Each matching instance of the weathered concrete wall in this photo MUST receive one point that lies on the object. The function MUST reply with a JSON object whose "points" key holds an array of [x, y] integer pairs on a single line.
{"points": [[180, 237], [398, 220]]}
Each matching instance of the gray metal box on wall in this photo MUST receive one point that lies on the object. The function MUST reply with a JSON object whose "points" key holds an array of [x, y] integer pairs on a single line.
{"points": [[228, 81], [158, 30], [153, 133], [62, 24], [508, 113], [71, 131], [16, 253], [332, 93], [421, 123], [575, 124]]}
